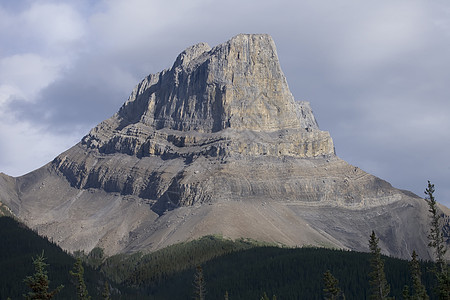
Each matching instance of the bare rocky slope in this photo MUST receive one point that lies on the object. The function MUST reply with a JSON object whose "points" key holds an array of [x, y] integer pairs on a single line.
{"points": [[214, 145]]}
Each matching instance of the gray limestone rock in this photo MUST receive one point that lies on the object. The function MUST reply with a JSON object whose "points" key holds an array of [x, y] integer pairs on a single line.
{"points": [[214, 145]]}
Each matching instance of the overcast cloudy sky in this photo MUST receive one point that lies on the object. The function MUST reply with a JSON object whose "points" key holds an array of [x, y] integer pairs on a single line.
{"points": [[377, 73]]}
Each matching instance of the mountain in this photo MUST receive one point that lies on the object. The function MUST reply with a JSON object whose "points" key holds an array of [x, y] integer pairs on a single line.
{"points": [[216, 144]]}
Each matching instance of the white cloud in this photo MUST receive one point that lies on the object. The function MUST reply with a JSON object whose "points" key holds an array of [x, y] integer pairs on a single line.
{"points": [[42, 40], [124, 25], [26, 147], [25, 75], [379, 35], [55, 26], [7, 92], [38, 44]]}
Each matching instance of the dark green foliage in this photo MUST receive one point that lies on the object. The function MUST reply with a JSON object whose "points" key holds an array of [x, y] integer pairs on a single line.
{"points": [[437, 242], [331, 290], [94, 258], [153, 268], [265, 297], [106, 295], [286, 273], [379, 288], [39, 282], [405, 294], [199, 284], [419, 291], [444, 284], [436, 236], [245, 274], [19, 245], [78, 274]]}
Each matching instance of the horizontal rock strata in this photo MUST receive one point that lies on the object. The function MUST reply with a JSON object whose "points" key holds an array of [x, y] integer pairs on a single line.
{"points": [[215, 144]]}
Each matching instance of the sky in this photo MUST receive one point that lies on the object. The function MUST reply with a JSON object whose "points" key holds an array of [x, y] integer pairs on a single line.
{"points": [[377, 73]]}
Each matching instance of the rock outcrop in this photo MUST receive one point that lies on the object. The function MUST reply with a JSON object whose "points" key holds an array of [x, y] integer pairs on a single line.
{"points": [[214, 145], [215, 96]]}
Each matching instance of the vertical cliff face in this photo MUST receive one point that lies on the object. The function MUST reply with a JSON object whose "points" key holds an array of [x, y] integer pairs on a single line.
{"points": [[215, 144], [238, 84], [228, 103], [233, 97]]}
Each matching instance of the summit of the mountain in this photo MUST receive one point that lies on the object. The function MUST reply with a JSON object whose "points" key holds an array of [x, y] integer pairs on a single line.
{"points": [[234, 93]]}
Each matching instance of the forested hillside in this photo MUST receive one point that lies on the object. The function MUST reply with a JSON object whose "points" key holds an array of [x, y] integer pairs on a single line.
{"points": [[286, 273], [19, 245], [242, 268]]}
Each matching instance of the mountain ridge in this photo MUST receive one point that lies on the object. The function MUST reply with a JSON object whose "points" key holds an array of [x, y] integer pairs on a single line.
{"points": [[214, 145]]}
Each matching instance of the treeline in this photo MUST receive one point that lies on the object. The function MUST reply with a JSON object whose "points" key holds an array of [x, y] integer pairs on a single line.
{"points": [[288, 274], [153, 268]]}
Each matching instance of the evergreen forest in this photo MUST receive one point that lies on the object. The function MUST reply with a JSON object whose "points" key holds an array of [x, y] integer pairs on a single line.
{"points": [[239, 269]]}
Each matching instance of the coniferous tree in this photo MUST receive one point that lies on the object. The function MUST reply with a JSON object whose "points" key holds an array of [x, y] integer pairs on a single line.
{"points": [[78, 273], [39, 282], [331, 290], [436, 236], [419, 291], [437, 242], [199, 284], [106, 295], [378, 283]]}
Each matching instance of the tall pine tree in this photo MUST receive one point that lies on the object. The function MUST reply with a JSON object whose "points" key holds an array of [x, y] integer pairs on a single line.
{"points": [[436, 236], [331, 290], [106, 295], [378, 284], [39, 282], [78, 273], [199, 284], [419, 291], [437, 242]]}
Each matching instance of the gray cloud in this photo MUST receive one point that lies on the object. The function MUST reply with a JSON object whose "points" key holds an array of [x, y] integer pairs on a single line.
{"points": [[376, 74]]}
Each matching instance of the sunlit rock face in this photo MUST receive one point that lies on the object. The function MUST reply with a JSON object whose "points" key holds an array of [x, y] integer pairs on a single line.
{"points": [[210, 94], [224, 104], [216, 144]]}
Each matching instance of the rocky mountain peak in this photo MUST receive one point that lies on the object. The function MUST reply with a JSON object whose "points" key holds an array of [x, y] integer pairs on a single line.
{"points": [[236, 92], [215, 144], [238, 84]]}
